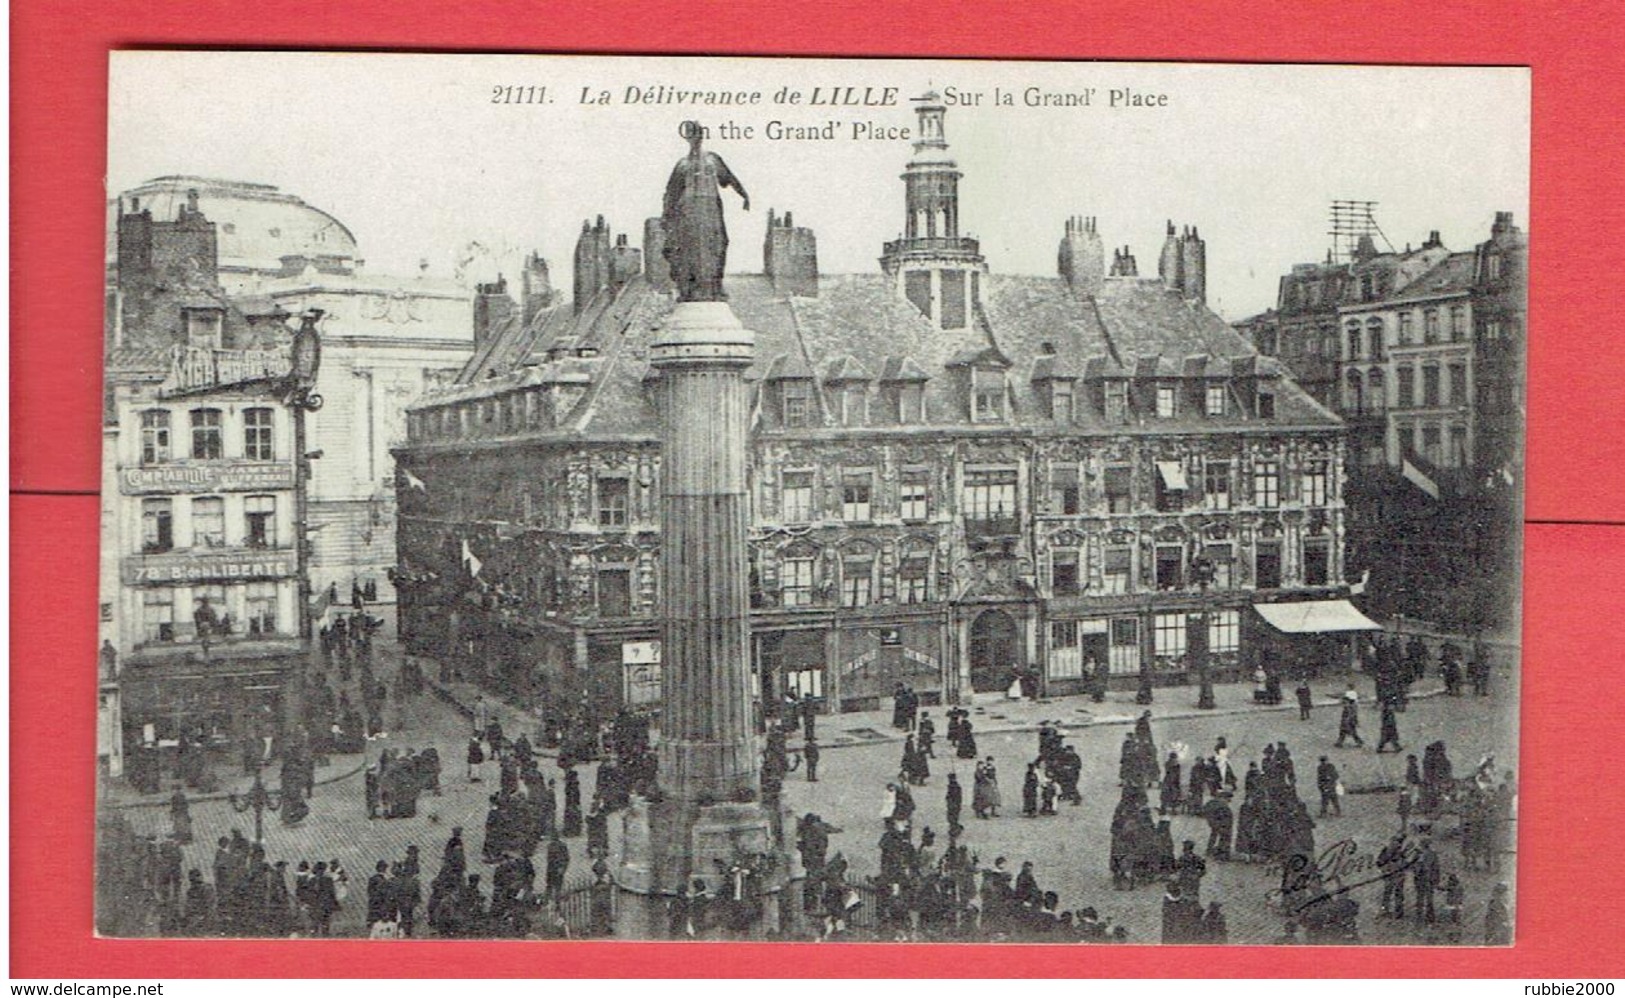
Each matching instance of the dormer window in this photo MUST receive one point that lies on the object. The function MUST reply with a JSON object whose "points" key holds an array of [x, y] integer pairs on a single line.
{"points": [[797, 396], [1215, 399], [1061, 405], [910, 401], [1165, 401], [1116, 401], [987, 396], [204, 328], [1266, 405], [854, 406]]}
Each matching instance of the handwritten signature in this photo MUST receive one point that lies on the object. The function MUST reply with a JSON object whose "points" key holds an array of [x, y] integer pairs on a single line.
{"points": [[1340, 868]]}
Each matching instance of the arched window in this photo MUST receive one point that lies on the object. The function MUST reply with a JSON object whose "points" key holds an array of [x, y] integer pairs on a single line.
{"points": [[1373, 335], [1354, 340]]}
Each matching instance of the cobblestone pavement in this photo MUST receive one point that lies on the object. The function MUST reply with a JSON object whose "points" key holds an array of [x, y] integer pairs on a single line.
{"points": [[1068, 850]]}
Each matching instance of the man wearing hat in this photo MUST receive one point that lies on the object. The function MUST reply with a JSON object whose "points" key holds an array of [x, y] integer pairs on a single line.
{"points": [[1348, 725]]}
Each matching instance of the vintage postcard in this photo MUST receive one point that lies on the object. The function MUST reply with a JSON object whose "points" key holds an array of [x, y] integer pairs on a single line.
{"points": [[743, 499]]}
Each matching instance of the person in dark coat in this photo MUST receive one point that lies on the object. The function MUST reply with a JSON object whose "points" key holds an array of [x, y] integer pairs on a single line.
{"points": [[381, 904], [408, 894], [558, 862], [324, 900], [180, 817], [1348, 722], [928, 733], [810, 754], [572, 804], [1172, 786], [1215, 931], [1220, 822], [1029, 791], [454, 858], [1326, 782], [1390, 728], [1306, 700], [1425, 879], [199, 905], [967, 740], [955, 797], [1498, 918]]}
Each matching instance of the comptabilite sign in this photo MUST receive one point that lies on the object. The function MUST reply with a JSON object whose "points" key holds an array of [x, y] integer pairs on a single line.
{"points": [[241, 477]]}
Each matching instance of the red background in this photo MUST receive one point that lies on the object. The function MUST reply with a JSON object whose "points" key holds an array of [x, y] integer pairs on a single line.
{"points": [[1571, 878]]}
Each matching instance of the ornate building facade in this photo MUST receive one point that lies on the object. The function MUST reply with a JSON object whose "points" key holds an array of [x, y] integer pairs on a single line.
{"points": [[958, 478]]}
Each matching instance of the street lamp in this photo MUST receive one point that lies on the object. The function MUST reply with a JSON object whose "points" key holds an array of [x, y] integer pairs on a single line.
{"points": [[259, 800], [1202, 574], [300, 397]]}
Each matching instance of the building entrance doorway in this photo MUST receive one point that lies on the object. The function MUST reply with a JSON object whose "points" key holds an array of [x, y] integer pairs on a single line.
{"points": [[995, 651]]}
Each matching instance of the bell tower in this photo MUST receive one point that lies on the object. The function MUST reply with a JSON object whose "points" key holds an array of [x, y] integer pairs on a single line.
{"points": [[935, 267]]}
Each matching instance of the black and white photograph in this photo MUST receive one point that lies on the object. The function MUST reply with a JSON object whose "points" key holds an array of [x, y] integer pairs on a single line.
{"points": [[811, 500]]}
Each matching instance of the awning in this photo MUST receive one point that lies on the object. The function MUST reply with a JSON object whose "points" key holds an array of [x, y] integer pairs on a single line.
{"points": [[1173, 475], [1315, 617]]}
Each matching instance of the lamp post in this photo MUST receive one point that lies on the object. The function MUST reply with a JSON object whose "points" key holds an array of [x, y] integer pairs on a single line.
{"points": [[301, 398], [259, 800], [1202, 574]]}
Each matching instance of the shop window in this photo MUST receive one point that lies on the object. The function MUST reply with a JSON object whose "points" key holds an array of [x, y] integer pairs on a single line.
{"points": [[613, 502], [798, 497], [1266, 484], [1316, 562], [857, 580], [1267, 565], [914, 497], [209, 522], [259, 514], [157, 525], [259, 604], [209, 611], [1065, 659], [155, 436], [207, 444], [1117, 572], [1123, 656], [1064, 575], [1170, 567], [1216, 485], [856, 493], [1169, 635], [1223, 631], [804, 683], [1118, 489], [797, 582], [259, 442], [158, 614]]}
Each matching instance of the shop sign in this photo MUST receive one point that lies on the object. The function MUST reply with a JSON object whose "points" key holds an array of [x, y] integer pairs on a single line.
{"points": [[212, 477], [155, 569]]}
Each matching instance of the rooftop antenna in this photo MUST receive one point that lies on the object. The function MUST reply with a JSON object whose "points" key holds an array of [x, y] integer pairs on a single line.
{"points": [[1349, 221]]}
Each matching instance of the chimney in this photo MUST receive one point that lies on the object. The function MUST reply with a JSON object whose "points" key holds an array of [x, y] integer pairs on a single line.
{"points": [[1503, 224], [1171, 262], [492, 307], [654, 254], [625, 262], [592, 262], [1193, 267], [790, 257], [1082, 257], [1123, 264], [1365, 248], [535, 287]]}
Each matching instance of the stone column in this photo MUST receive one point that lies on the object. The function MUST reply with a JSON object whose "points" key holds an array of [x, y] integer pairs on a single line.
{"points": [[709, 813], [708, 751]]}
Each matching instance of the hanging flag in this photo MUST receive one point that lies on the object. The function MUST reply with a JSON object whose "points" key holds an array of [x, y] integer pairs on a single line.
{"points": [[1358, 588], [473, 563], [413, 481], [1419, 478]]}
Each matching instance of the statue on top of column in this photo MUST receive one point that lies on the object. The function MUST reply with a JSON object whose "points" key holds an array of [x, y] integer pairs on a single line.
{"points": [[696, 235]]}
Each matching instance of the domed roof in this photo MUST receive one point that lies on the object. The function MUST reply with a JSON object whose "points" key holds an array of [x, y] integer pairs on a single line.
{"points": [[258, 224]]}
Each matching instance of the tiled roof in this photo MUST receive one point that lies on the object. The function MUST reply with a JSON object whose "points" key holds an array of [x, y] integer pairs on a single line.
{"points": [[1453, 276], [138, 360], [859, 326]]}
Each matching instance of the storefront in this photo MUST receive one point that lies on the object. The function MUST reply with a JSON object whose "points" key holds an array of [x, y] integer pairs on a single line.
{"points": [[1309, 637]]}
